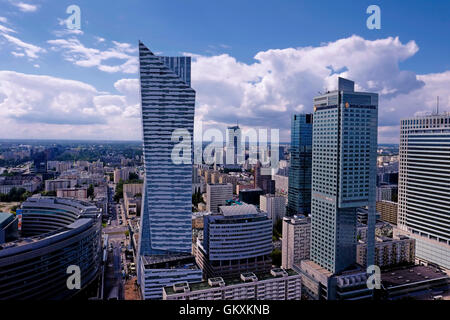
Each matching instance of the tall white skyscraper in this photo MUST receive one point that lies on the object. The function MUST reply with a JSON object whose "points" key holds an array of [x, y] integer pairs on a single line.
{"points": [[424, 186]]}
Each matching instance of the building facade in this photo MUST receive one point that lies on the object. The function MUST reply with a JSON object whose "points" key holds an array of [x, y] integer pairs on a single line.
{"points": [[295, 245], [279, 284], [274, 206], [217, 195], [388, 211], [168, 104], [343, 174], [389, 252], [300, 171], [424, 180], [237, 240], [56, 233]]}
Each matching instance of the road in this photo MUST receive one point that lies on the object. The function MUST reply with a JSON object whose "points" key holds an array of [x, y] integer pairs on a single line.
{"points": [[114, 282]]}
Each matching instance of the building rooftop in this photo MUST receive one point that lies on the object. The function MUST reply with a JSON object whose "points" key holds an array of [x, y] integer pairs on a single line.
{"points": [[170, 261], [220, 282], [238, 209], [411, 274]]}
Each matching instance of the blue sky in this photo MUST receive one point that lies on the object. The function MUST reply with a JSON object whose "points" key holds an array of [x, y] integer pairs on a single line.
{"points": [[409, 67]]}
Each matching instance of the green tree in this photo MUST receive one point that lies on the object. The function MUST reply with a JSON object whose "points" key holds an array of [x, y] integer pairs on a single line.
{"points": [[276, 257], [119, 191], [90, 192]]}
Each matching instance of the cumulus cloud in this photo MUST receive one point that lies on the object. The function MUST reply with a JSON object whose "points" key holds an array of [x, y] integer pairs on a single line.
{"points": [[262, 94], [36, 102], [122, 55], [284, 81]]}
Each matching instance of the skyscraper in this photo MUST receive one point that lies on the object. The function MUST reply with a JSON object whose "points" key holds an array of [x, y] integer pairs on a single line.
{"points": [[424, 186], [299, 191], [234, 156], [343, 174], [168, 104]]}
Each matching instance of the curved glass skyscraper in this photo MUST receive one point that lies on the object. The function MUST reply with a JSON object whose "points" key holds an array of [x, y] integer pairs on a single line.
{"points": [[168, 104]]}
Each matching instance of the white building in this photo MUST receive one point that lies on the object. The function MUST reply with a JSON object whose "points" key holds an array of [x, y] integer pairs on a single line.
{"points": [[424, 180], [274, 206]]}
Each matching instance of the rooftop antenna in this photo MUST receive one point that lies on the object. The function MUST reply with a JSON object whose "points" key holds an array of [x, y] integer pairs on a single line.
{"points": [[437, 105]]}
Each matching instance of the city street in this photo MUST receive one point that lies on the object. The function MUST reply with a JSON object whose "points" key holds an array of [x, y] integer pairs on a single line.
{"points": [[114, 280]]}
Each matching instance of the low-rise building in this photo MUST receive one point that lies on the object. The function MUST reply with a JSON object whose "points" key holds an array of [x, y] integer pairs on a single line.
{"points": [[279, 284], [388, 211], [388, 251], [77, 193]]}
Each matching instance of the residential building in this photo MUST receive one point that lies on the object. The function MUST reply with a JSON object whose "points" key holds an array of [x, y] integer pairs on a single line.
{"points": [[274, 206], [53, 185], [77, 193], [388, 252], [217, 195], [388, 211], [296, 241]]}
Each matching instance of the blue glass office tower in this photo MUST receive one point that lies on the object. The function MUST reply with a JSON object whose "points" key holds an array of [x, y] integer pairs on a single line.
{"points": [[343, 174], [299, 192], [168, 104]]}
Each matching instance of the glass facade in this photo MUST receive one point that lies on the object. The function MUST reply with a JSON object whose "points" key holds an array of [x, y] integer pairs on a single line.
{"points": [[299, 191], [168, 104]]}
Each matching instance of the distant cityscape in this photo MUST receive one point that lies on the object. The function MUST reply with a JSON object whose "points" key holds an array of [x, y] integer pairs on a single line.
{"points": [[338, 217]]}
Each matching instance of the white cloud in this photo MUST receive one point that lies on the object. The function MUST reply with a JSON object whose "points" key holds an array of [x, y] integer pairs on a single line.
{"points": [[261, 94], [50, 107], [25, 7], [284, 81], [17, 54], [74, 51], [4, 29], [3, 20], [30, 50]]}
